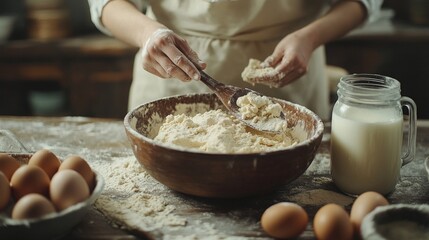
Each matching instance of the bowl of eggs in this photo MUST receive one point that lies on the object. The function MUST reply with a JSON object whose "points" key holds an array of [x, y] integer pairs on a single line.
{"points": [[43, 197], [192, 145]]}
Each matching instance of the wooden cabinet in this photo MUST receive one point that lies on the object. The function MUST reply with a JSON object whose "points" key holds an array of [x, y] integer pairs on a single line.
{"points": [[92, 73]]}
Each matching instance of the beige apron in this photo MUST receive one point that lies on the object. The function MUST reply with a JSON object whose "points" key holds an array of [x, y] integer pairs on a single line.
{"points": [[226, 34]]}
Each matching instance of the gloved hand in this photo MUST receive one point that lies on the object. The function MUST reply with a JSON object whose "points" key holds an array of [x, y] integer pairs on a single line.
{"points": [[168, 55]]}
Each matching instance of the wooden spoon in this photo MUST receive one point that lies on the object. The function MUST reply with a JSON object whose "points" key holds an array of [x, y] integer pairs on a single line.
{"points": [[229, 94]]}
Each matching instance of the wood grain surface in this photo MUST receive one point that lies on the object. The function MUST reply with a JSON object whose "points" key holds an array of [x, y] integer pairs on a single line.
{"points": [[103, 140]]}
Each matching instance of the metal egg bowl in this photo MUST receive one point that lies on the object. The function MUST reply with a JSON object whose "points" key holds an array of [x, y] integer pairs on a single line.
{"points": [[51, 226]]}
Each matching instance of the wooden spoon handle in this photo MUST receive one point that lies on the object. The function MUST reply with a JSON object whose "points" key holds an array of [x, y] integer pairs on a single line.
{"points": [[210, 82]]}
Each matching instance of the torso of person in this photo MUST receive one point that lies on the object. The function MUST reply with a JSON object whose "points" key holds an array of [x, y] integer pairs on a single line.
{"points": [[226, 34]]}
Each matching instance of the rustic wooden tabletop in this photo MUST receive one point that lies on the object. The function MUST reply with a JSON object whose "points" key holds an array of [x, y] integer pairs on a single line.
{"points": [[156, 212]]}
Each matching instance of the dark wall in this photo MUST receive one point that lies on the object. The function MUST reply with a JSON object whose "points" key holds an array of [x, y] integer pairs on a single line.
{"points": [[80, 19]]}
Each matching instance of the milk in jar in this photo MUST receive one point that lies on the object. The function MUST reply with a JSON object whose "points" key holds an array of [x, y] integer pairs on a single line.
{"points": [[373, 158], [367, 133]]}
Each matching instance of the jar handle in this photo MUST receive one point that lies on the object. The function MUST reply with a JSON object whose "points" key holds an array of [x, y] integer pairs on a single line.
{"points": [[412, 129]]}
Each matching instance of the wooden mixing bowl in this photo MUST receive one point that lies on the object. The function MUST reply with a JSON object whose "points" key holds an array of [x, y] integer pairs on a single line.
{"points": [[213, 174]]}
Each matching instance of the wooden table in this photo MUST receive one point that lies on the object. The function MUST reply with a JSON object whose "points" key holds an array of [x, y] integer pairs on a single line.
{"points": [[103, 140]]}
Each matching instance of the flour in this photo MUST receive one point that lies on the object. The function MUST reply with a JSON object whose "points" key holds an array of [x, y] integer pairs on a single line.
{"points": [[134, 200], [215, 131], [321, 165], [257, 72], [261, 112], [129, 201], [407, 187]]}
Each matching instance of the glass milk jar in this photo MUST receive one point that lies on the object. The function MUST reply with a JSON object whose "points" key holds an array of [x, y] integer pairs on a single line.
{"points": [[367, 134]]}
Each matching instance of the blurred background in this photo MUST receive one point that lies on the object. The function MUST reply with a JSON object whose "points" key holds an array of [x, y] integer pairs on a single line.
{"points": [[54, 62]]}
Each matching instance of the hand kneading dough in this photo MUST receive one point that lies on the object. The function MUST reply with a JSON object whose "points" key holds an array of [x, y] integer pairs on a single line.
{"points": [[258, 72]]}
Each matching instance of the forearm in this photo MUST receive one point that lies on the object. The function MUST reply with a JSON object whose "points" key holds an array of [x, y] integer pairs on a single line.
{"points": [[127, 23], [342, 18]]}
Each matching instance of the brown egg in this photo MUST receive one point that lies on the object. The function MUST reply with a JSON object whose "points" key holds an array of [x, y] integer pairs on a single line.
{"points": [[46, 160], [4, 191], [332, 222], [364, 204], [82, 167], [8, 165], [284, 220], [68, 188], [31, 206], [29, 179]]}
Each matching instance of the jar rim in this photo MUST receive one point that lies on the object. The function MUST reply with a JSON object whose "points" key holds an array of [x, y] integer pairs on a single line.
{"points": [[370, 81], [369, 88]]}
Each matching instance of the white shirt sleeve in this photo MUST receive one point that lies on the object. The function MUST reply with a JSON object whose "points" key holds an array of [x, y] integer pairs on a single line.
{"points": [[96, 8], [373, 8]]}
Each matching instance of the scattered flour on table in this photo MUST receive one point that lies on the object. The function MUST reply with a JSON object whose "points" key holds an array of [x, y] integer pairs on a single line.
{"points": [[318, 197], [126, 198], [321, 180], [132, 199], [218, 132], [406, 187], [321, 165]]}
